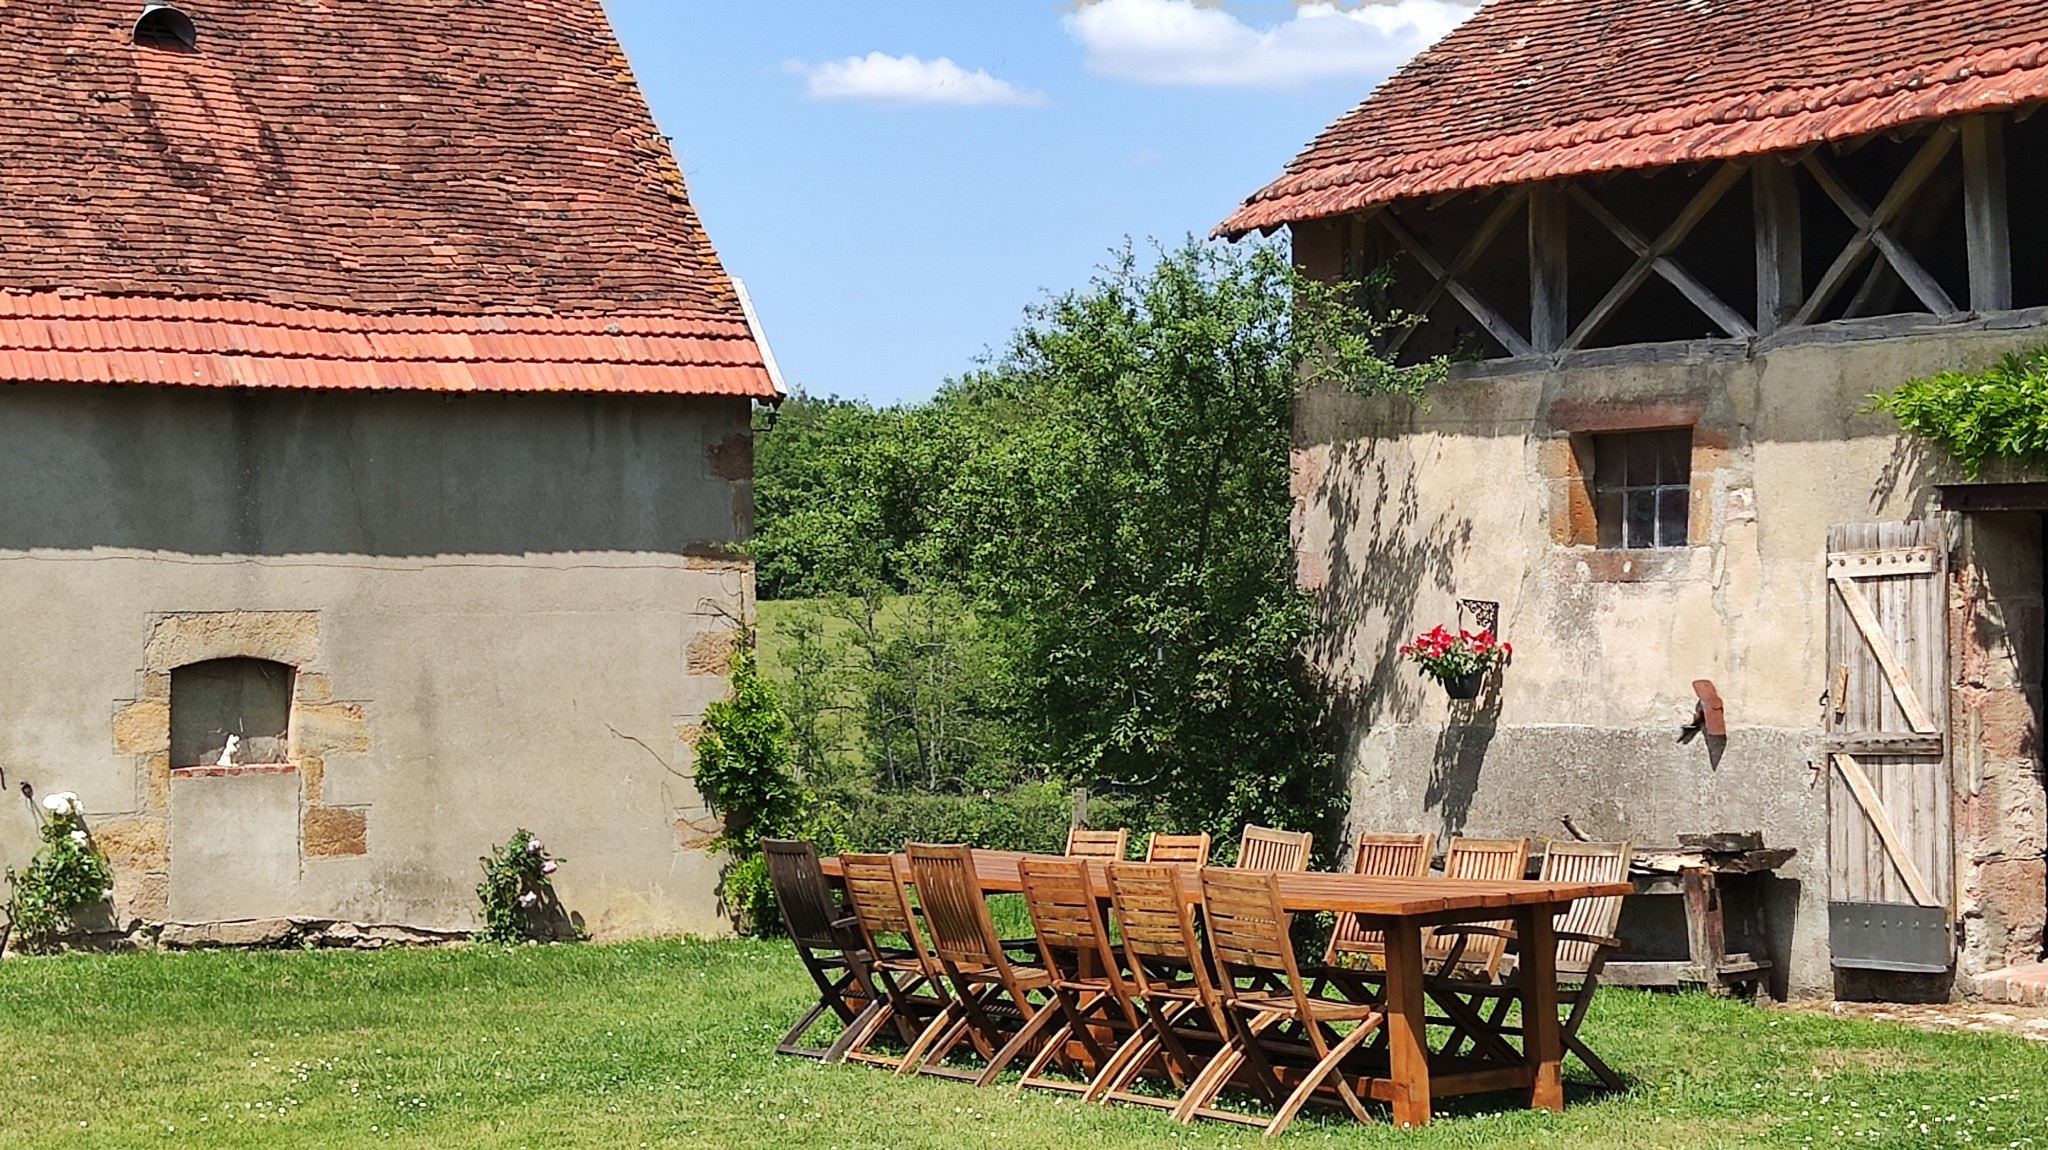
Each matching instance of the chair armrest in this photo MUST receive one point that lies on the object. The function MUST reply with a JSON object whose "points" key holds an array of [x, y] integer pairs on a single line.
{"points": [[1471, 928], [1599, 940], [847, 923]]}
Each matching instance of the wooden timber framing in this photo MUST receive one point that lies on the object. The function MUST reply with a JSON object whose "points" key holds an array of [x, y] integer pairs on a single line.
{"points": [[1878, 247]]}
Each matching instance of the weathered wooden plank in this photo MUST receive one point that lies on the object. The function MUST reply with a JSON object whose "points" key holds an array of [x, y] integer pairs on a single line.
{"points": [[1780, 266], [1984, 213], [1480, 310], [1880, 647], [1870, 230], [1884, 743], [1549, 311], [1880, 563], [1874, 810]]}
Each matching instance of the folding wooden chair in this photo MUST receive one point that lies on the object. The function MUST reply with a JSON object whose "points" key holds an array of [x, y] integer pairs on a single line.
{"points": [[1476, 947], [991, 1005], [1084, 844], [1088, 988], [1585, 940], [1380, 856], [1263, 848], [1247, 928], [829, 942], [1180, 1014], [880, 902], [1178, 849]]}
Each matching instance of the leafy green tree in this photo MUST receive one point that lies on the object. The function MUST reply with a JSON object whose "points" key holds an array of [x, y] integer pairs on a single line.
{"points": [[1998, 414], [1124, 522]]}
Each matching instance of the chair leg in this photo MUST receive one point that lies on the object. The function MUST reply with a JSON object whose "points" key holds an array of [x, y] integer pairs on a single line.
{"points": [[856, 1030], [789, 1043], [1224, 1066], [921, 1049], [1331, 1064], [1035, 1024], [1594, 1063]]}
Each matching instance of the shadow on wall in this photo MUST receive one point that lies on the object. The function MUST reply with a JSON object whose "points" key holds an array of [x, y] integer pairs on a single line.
{"points": [[1913, 467], [201, 472], [1461, 753], [1382, 560]]}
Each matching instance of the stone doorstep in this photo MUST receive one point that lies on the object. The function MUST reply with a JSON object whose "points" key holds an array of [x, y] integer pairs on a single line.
{"points": [[2025, 985]]}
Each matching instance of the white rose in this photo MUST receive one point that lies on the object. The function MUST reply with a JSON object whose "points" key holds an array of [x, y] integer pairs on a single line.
{"points": [[78, 836], [61, 801]]}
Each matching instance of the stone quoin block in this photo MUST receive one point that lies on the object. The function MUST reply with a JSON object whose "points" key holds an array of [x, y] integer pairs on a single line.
{"points": [[335, 832]]}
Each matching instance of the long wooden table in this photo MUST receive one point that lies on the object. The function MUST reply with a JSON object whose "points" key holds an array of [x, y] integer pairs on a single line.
{"points": [[1403, 908]]}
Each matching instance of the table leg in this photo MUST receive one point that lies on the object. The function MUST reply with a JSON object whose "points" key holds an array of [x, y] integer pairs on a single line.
{"points": [[1407, 1024], [1542, 1043]]}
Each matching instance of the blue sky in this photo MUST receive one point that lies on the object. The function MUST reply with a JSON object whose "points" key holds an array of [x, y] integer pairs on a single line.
{"points": [[895, 181]]}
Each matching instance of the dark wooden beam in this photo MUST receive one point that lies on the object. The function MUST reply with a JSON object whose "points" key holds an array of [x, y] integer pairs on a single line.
{"points": [[1549, 312], [1870, 230], [1993, 496], [1474, 248], [1780, 268], [1495, 323], [1655, 258], [1984, 213]]}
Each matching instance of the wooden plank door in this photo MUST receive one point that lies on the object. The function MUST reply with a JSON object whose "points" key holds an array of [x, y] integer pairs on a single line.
{"points": [[1891, 882]]}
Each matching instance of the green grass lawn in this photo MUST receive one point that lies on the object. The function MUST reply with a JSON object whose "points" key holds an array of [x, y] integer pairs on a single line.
{"points": [[666, 1044]]}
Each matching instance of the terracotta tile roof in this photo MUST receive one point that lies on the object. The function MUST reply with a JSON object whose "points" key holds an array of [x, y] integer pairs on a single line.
{"points": [[229, 343], [1544, 89], [351, 166]]}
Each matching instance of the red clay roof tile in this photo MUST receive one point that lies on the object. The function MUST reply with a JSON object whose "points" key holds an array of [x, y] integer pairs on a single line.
{"points": [[351, 195], [1548, 89]]}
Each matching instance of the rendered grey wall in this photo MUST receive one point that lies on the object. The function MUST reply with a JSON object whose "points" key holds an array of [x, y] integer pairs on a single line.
{"points": [[506, 610]]}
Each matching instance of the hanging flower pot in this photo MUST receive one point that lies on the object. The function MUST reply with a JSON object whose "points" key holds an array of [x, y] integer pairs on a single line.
{"points": [[1460, 662], [1465, 686]]}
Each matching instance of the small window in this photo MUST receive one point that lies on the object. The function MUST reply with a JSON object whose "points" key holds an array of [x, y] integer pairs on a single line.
{"points": [[250, 699], [1642, 488]]}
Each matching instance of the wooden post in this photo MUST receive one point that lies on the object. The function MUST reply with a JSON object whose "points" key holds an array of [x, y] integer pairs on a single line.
{"points": [[1549, 313], [1407, 1025], [1780, 271], [1705, 927], [1079, 821], [1984, 213], [1542, 1038]]}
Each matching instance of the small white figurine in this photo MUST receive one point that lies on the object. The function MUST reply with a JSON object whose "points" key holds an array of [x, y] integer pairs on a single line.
{"points": [[229, 753]]}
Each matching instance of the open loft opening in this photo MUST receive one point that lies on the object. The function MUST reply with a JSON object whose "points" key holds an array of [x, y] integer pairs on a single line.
{"points": [[1922, 221]]}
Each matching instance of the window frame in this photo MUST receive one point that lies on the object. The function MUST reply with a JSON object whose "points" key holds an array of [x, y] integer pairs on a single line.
{"points": [[1654, 473]]}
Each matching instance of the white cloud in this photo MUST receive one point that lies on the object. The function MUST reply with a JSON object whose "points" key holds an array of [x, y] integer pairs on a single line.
{"points": [[1182, 42], [888, 79]]}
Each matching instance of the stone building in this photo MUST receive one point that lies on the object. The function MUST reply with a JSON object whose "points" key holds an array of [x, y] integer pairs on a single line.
{"points": [[373, 396], [1672, 249]]}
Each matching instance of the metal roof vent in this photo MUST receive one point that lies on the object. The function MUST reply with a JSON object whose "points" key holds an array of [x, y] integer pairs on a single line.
{"points": [[163, 26]]}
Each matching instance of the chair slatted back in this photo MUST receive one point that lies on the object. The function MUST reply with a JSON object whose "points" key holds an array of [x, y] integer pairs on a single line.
{"points": [[808, 908], [879, 900], [962, 933], [1493, 860], [1587, 863], [1263, 848], [1072, 937], [1086, 844], [1380, 856], [1178, 849], [1247, 927], [1157, 924]]}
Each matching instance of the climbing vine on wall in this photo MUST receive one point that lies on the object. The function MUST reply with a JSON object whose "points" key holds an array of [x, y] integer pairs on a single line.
{"points": [[2000, 414], [746, 769]]}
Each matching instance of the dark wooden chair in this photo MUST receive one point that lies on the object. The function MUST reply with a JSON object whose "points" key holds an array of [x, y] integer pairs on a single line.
{"points": [[1093, 1004], [907, 976], [992, 1005], [1264, 996], [828, 940], [1178, 849], [1585, 941], [1263, 848], [1180, 1013], [1087, 844]]}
